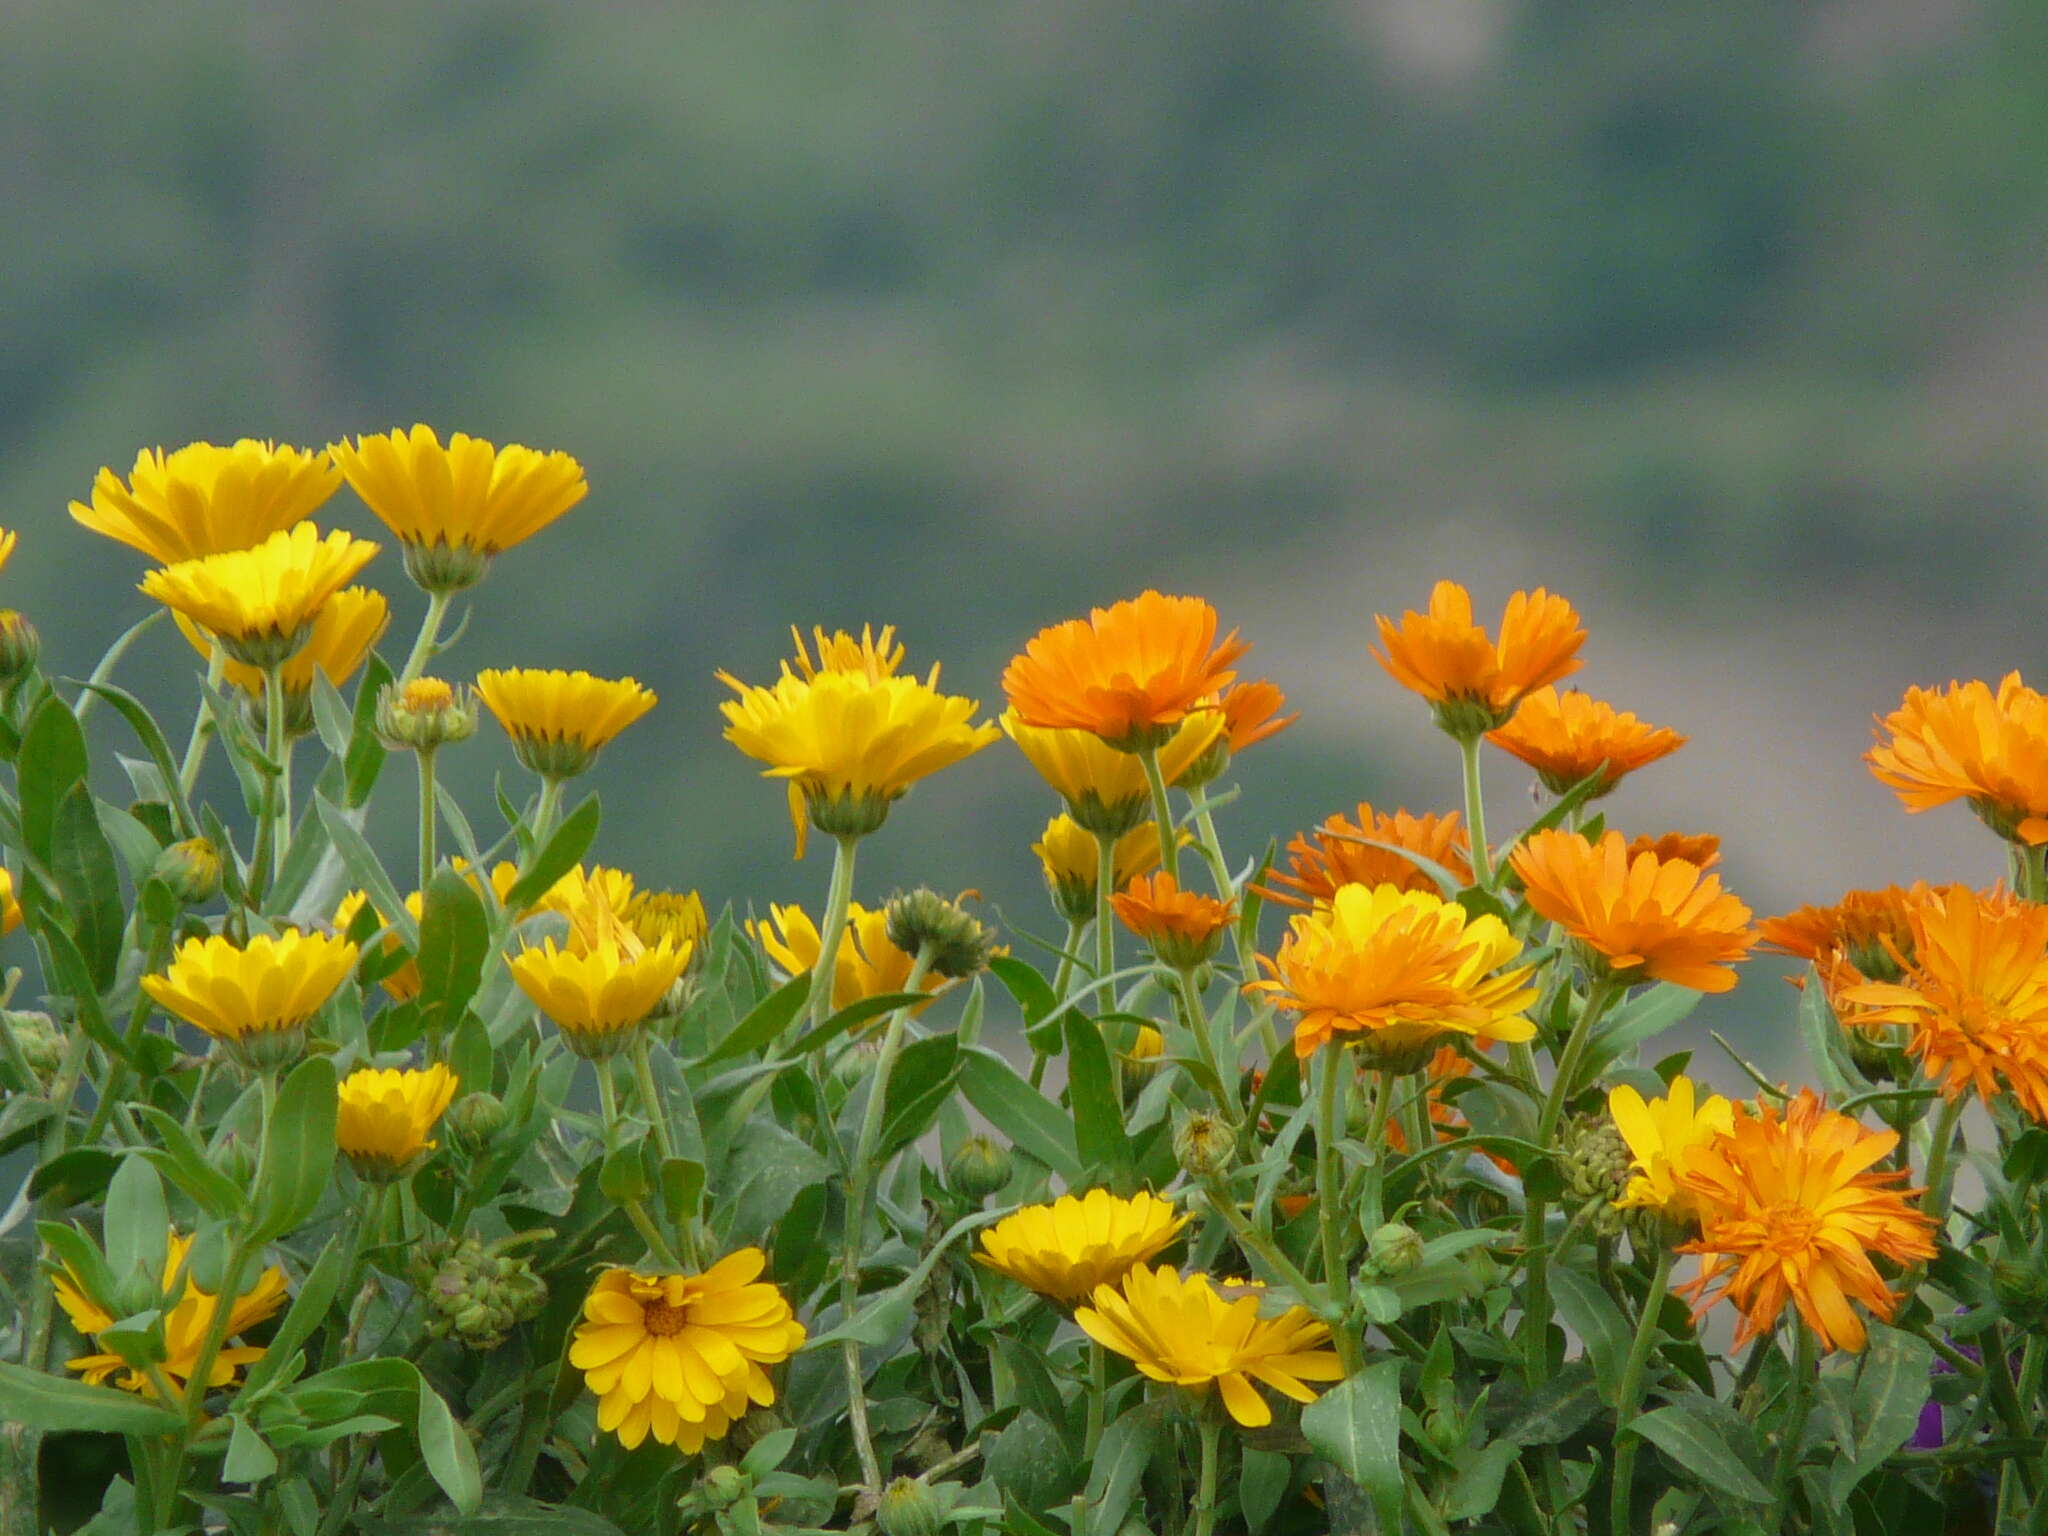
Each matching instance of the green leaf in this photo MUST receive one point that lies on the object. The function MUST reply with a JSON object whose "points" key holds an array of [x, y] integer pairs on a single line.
{"points": [[366, 870], [1356, 1426], [1591, 1313], [1027, 1117], [181, 1160], [365, 752], [923, 1080], [53, 759], [1701, 1445], [447, 1451], [1640, 1019], [1476, 1489], [469, 1055], [138, 1224], [249, 1460], [1114, 1480], [72, 977], [73, 1177], [308, 1309], [57, 1403], [1262, 1480], [565, 846], [851, 1016], [1032, 992], [82, 863], [455, 941], [140, 721], [767, 1019], [299, 1150], [1893, 1380], [1031, 1462], [1099, 1133]]}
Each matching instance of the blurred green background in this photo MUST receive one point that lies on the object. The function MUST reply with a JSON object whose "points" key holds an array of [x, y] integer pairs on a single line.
{"points": [[1725, 320]]}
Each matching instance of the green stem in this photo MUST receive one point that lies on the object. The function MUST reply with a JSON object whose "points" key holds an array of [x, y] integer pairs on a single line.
{"points": [[832, 931], [158, 945], [2034, 872], [1105, 924], [1098, 1401], [1162, 813], [1475, 814], [545, 808], [1247, 965], [429, 816], [1803, 1374], [1330, 1106], [650, 1099], [1062, 980], [1205, 1491], [1938, 1152], [356, 1266], [427, 643], [1198, 1026], [1267, 1251], [202, 727], [1631, 1395]]}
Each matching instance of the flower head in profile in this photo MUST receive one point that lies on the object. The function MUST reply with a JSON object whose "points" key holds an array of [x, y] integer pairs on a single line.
{"points": [[1639, 916], [1700, 849], [204, 500], [1370, 848], [1251, 714], [873, 656], [603, 984], [1661, 1133], [1394, 971], [455, 507], [1570, 737], [188, 1318], [1188, 1331], [680, 1357], [1972, 743], [675, 916], [1067, 1248], [1069, 856], [261, 602], [256, 998], [385, 1116], [559, 721], [1872, 930], [345, 630], [1105, 789], [1128, 673], [1791, 1211], [1183, 927], [1972, 991], [868, 964], [1474, 681]]}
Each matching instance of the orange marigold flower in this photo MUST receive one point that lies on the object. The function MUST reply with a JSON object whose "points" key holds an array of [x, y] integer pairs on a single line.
{"points": [[1349, 852], [1128, 672], [1791, 1211], [1645, 917], [1974, 995], [1251, 713], [1872, 930], [1701, 848], [1474, 682], [1570, 737], [1966, 742], [1183, 927]]}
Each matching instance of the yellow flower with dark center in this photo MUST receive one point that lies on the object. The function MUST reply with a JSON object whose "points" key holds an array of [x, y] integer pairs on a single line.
{"points": [[1183, 927], [1791, 1211], [1973, 992], [1968, 742], [1394, 970], [850, 744], [1188, 1331], [867, 965], [1641, 915], [204, 500], [1105, 789], [257, 999], [385, 1116], [679, 1357], [559, 721], [600, 988], [455, 507], [345, 630], [1069, 857], [261, 602], [1660, 1134], [1066, 1249], [1365, 848], [188, 1316], [1570, 737], [1474, 681]]}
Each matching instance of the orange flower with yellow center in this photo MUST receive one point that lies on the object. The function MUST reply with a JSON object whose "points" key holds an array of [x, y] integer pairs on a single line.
{"points": [[1474, 681], [1370, 848], [1396, 970], [1128, 673], [1642, 917], [1974, 995], [1967, 742], [1791, 1211], [1570, 737], [1183, 927]]}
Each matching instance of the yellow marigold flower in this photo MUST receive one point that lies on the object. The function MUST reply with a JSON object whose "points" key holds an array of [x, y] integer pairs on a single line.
{"points": [[1070, 858], [1873, 930], [1790, 1210], [849, 744], [867, 965], [1066, 1249], [456, 507], [203, 500], [1129, 672], [1474, 682], [188, 1320], [559, 721], [1660, 1134], [261, 602], [1974, 993], [1394, 970], [1698, 848], [10, 905], [1641, 916], [587, 886], [1105, 789], [1183, 927], [257, 999], [679, 1357], [1569, 737], [1353, 851], [597, 992], [345, 631], [8, 539], [1966, 742], [385, 1116], [1184, 1330], [872, 656], [677, 916]]}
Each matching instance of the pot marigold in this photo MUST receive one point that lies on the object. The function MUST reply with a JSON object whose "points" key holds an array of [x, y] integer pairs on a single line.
{"points": [[261, 602], [1355, 850], [1186, 1331], [205, 500], [559, 721], [345, 630], [259, 998], [680, 1357], [1702, 849], [604, 984], [1641, 917], [1474, 682], [867, 965], [1064, 1250], [1394, 970], [1872, 930], [385, 1115], [1968, 742], [1661, 1133], [873, 656], [1129, 673], [1571, 737], [1070, 857], [1183, 927], [1791, 1211], [1105, 789]]}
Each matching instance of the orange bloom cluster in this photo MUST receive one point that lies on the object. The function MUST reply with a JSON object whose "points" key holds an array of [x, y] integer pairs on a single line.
{"points": [[1970, 742], [1571, 737], [1474, 681], [1344, 851], [1127, 672]]}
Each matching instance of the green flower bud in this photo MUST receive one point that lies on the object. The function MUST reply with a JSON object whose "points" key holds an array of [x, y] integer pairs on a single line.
{"points": [[19, 646], [478, 1295], [909, 1508], [40, 1041], [1204, 1145], [2021, 1289], [1597, 1166], [473, 1120], [191, 869], [1394, 1249], [960, 942], [425, 714], [722, 1487], [235, 1160], [979, 1169]]}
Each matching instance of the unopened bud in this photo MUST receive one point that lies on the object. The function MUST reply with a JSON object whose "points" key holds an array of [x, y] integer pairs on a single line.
{"points": [[19, 646], [909, 1508], [424, 714], [473, 1120], [980, 1168], [39, 1040], [722, 1487], [1204, 1145], [2021, 1289], [1395, 1249], [958, 942], [191, 869], [235, 1160]]}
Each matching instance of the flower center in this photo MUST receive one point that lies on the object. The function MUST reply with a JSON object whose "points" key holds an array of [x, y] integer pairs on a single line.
{"points": [[661, 1319], [1792, 1228]]}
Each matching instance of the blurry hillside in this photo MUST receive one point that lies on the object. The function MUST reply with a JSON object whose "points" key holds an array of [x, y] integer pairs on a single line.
{"points": [[1727, 320]]}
